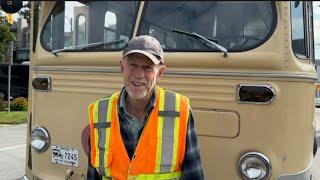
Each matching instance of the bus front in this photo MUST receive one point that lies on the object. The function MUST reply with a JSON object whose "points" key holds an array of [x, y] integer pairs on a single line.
{"points": [[247, 67]]}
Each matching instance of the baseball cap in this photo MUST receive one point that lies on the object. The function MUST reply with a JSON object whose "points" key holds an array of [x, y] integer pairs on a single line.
{"points": [[147, 46]]}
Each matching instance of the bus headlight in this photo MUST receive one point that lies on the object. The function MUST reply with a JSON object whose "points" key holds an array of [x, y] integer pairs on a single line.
{"points": [[254, 165], [40, 139]]}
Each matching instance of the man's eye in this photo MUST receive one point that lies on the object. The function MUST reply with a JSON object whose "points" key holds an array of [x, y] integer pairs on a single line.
{"points": [[148, 69]]}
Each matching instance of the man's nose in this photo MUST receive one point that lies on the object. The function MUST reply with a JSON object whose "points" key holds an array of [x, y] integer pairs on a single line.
{"points": [[139, 73]]}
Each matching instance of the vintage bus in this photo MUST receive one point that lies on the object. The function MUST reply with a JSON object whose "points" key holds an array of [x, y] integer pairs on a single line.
{"points": [[247, 67]]}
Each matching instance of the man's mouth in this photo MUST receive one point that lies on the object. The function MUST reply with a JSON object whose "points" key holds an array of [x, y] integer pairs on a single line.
{"points": [[137, 84]]}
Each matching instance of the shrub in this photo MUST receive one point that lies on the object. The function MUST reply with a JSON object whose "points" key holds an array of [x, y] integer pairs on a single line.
{"points": [[19, 104], [3, 105], [3, 102]]}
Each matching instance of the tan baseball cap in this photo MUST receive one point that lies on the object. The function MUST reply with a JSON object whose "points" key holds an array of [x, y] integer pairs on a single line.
{"points": [[147, 46]]}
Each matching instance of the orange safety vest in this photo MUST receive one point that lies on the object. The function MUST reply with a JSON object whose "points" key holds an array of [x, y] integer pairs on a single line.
{"points": [[161, 147]]}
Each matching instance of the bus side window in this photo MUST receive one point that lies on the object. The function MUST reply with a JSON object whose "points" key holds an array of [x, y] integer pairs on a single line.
{"points": [[81, 26], [110, 28], [299, 40]]}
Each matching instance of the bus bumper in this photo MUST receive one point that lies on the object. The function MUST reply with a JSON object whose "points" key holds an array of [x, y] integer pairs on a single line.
{"points": [[303, 175]]}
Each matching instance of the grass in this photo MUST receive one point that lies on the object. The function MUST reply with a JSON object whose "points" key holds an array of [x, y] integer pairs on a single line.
{"points": [[14, 117]]}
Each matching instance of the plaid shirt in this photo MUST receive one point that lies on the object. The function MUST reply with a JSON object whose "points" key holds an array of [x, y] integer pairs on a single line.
{"points": [[131, 129]]}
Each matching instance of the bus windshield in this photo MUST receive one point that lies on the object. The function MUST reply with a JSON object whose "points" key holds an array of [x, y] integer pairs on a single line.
{"points": [[108, 25], [248, 26]]}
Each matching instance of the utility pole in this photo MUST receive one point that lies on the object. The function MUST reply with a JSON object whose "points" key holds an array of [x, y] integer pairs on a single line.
{"points": [[9, 73]]}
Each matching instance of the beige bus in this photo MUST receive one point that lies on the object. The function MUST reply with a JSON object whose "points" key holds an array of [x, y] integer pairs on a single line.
{"points": [[247, 67]]}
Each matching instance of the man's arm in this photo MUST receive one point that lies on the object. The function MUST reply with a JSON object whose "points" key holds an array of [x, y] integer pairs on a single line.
{"points": [[191, 168]]}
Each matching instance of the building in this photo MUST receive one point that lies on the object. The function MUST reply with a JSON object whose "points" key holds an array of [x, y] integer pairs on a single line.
{"points": [[22, 43]]}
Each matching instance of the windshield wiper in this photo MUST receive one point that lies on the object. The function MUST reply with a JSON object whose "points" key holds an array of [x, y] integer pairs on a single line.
{"points": [[212, 42], [88, 46]]}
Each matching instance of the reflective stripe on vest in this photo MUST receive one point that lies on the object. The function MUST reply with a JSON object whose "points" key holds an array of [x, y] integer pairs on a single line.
{"points": [[166, 127], [171, 176], [101, 128]]}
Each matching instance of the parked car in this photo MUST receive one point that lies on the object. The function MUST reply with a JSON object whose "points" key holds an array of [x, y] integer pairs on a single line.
{"points": [[317, 102], [19, 80]]}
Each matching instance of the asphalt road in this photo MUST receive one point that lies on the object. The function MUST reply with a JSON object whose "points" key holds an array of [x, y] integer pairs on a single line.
{"points": [[12, 151]]}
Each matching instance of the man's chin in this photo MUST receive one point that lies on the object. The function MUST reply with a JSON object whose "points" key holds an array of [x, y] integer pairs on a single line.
{"points": [[137, 96]]}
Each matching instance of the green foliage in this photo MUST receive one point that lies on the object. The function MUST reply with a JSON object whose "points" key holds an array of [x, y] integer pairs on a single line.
{"points": [[3, 103], [14, 117], [19, 104], [5, 37]]}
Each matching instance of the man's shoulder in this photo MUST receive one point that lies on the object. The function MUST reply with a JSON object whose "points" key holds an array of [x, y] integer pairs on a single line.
{"points": [[175, 93], [106, 98], [99, 100]]}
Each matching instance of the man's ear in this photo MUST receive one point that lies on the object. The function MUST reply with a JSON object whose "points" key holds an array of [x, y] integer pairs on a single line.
{"points": [[161, 71]]}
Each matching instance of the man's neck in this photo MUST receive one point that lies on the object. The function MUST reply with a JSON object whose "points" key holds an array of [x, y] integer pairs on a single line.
{"points": [[137, 107]]}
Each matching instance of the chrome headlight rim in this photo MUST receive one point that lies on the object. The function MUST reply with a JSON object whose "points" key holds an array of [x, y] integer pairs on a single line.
{"points": [[261, 157], [46, 135]]}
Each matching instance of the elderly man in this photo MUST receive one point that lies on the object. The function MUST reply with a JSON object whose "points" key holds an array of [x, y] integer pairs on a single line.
{"points": [[144, 131]]}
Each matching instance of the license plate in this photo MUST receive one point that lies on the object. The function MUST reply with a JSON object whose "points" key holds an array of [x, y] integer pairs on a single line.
{"points": [[66, 156]]}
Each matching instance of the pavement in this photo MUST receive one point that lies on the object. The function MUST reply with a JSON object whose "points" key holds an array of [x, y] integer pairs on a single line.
{"points": [[12, 151]]}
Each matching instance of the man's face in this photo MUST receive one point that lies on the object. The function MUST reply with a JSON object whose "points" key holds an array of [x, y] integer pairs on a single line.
{"points": [[140, 75]]}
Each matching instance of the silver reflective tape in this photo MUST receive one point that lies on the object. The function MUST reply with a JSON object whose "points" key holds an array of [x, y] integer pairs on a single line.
{"points": [[102, 112], [169, 113], [102, 125], [169, 101], [102, 171], [168, 132]]}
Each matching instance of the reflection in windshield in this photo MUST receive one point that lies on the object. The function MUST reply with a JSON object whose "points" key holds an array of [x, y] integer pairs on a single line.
{"points": [[77, 24], [237, 26]]}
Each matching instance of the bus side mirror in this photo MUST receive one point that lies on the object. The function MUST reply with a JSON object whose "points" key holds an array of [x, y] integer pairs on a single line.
{"points": [[11, 6]]}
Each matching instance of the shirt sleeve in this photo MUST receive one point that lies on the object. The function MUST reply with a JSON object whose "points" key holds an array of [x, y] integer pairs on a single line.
{"points": [[191, 168]]}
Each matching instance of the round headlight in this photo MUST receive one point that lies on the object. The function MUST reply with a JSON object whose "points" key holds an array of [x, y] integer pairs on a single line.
{"points": [[40, 139], [254, 165]]}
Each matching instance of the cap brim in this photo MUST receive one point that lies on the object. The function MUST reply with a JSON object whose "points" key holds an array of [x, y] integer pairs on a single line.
{"points": [[149, 55]]}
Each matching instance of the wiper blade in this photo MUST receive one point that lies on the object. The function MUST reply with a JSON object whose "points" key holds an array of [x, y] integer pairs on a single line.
{"points": [[105, 44], [191, 34], [80, 47], [88, 46], [212, 42], [61, 50]]}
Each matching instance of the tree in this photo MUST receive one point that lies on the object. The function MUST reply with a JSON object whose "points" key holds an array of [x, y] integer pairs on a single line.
{"points": [[5, 37], [25, 12]]}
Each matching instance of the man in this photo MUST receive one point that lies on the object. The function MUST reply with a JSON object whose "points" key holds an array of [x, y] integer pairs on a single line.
{"points": [[144, 131]]}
